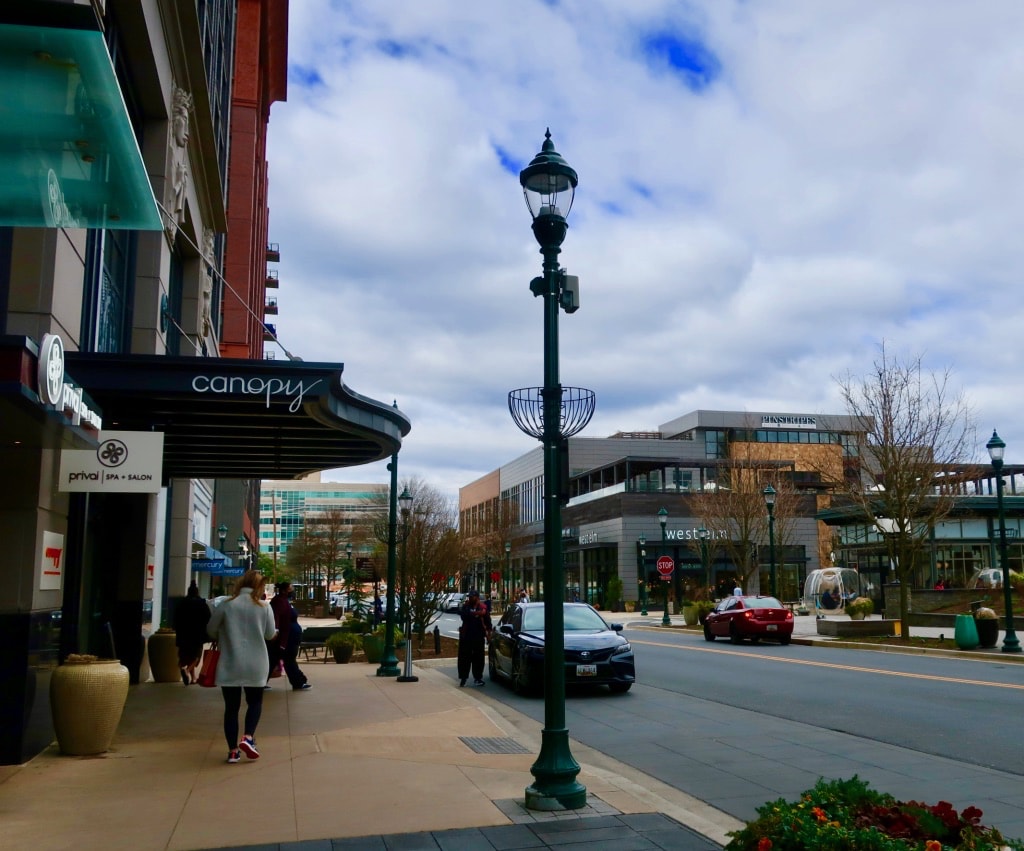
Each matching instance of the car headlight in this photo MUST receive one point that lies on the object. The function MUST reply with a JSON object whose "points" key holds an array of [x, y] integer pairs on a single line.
{"points": [[625, 648]]}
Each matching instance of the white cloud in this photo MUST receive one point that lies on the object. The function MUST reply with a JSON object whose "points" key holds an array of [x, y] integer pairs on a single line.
{"points": [[850, 174]]}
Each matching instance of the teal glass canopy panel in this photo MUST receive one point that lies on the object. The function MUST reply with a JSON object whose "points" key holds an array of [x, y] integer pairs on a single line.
{"points": [[68, 155]]}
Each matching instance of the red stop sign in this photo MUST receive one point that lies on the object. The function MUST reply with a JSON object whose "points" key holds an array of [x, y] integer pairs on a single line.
{"points": [[666, 566]]}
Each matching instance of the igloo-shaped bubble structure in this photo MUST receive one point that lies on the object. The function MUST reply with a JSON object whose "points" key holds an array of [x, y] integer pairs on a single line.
{"points": [[827, 591]]}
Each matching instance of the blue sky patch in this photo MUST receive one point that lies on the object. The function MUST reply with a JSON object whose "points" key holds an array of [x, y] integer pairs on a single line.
{"points": [[305, 76], [508, 162], [686, 58]]}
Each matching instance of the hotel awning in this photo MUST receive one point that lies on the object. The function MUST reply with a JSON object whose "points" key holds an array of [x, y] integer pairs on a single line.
{"points": [[68, 153], [241, 419]]}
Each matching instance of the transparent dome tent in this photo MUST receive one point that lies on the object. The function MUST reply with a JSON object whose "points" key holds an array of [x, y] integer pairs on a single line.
{"points": [[827, 591]]}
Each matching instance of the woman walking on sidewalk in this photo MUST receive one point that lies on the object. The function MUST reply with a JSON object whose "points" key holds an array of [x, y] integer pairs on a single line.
{"points": [[242, 625]]}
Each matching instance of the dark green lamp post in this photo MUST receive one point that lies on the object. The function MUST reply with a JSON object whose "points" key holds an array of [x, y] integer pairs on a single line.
{"points": [[995, 448], [553, 414], [507, 591], [222, 534], [703, 535], [663, 520], [487, 577], [388, 661], [769, 500], [641, 571]]}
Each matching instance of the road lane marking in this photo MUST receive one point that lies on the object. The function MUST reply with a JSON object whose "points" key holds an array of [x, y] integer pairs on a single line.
{"points": [[859, 669]]}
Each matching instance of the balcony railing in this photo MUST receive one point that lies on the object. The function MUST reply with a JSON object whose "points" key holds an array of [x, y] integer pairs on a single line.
{"points": [[270, 308], [272, 281], [269, 331], [273, 252]]}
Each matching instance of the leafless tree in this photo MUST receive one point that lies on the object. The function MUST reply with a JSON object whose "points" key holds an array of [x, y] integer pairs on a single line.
{"points": [[918, 430]]}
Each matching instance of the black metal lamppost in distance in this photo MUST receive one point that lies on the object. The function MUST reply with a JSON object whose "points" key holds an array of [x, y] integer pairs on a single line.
{"points": [[769, 500], [996, 447]]}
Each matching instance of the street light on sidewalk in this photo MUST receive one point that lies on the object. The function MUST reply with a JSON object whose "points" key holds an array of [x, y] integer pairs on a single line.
{"points": [[663, 520], [553, 414], [641, 571], [703, 535], [996, 447], [769, 500]]}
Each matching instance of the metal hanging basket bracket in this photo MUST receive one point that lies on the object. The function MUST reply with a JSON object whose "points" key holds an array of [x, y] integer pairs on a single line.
{"points": [[527, 408]]}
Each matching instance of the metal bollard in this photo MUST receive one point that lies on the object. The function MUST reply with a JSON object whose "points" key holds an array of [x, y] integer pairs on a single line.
{"points": [[408, 676], [437, 641]]}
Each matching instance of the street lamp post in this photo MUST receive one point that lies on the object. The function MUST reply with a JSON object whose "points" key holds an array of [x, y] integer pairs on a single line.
{"points": [[507, 592], [995, 448], [553, 414], [405, 507], [663, 520], [769, 500], [487, 576], [703, 535], [388, 661], [641, 572]]}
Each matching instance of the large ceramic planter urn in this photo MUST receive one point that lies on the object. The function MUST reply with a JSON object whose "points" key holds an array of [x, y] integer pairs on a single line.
{"points": [[163, 657], [988, 631], [690, 615], [373, 647], [87, 697], [965, 632]]}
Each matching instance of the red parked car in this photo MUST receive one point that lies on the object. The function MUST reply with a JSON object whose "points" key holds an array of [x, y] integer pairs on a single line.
{"points": [[749, 617]]}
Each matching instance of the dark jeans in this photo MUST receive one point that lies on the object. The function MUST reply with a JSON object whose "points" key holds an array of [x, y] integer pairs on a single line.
{"points": [[290, 657], [471, 656], [232, 703]]}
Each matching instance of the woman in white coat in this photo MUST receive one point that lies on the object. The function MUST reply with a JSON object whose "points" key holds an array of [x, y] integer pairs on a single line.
{"points": [[242, 625]]}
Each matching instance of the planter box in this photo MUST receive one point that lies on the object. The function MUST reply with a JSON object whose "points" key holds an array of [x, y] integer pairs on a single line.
{"points": [[851, 629]]}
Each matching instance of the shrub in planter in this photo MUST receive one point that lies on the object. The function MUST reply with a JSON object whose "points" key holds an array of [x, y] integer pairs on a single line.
{"points": [[987, 623], [343, 645], [704, 608], [860, 608], [843, 814]]}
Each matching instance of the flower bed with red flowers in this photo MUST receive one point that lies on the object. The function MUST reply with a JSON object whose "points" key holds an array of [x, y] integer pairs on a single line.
{"points": [[848, 815]]}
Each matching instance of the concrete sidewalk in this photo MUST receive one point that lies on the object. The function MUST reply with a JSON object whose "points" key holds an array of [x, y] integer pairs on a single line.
{"points": [[358, 761]]}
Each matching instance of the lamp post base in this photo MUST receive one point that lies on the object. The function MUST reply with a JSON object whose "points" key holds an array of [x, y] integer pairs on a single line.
{"points": [[388, 665], [1011, 644], [555, 787]]}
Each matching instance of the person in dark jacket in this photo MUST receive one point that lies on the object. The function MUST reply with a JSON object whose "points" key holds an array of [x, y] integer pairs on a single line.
{"points": [[190, 619], [476, 627], [285, 646]]}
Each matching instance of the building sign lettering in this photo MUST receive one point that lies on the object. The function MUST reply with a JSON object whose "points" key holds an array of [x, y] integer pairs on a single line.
{"points": [[693, 534], [266, 387], [56, 391], [784, 421]]}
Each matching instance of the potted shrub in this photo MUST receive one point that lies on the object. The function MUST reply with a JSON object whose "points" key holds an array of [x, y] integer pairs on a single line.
{"points": [[859, 608], [162, 648], [690, 612], [704, 608], [986, 621], [343, 644]]}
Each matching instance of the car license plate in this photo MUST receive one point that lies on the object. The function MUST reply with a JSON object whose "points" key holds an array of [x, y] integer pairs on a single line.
{"points": [[586, 670], [772, 627]]}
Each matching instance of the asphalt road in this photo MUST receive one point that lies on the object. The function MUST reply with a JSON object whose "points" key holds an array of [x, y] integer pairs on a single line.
{"points": [[738, 726]]}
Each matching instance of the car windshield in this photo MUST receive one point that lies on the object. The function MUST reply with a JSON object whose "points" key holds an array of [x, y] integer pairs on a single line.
{"points": [[761, 603], [577, 618]]}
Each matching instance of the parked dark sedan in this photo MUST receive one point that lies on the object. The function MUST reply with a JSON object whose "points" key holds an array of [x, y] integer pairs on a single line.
{"points": [[595, 652], [749, 617]]}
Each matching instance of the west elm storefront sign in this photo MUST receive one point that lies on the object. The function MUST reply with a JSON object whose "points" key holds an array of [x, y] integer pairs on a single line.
{"points": [[694, 534], [124, 462]]}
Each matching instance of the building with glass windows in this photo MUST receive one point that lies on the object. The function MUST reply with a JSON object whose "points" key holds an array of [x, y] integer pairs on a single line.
{"points": [[617, 485]]}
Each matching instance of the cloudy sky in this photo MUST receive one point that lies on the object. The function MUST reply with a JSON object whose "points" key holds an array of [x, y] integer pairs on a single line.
{"points": [[768, 190]]}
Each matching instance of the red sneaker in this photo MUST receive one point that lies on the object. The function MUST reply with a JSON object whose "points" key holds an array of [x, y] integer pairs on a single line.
{"points": [[248, 747]]}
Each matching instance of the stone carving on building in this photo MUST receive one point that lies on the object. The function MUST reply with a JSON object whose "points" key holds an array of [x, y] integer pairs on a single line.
{"points": [[181, 106], [206, 283]]}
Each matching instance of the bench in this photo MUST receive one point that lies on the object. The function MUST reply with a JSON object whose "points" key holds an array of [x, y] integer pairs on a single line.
{"points": [[311, 644]]}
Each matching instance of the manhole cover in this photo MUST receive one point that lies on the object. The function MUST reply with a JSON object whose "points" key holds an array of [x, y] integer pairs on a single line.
{"points": [[480, 744]]}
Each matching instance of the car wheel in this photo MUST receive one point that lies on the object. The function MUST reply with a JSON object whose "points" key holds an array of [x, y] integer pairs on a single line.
{"points": [[785, 639], [708, 634], [521, 681], [619, 688], [734, 634]]}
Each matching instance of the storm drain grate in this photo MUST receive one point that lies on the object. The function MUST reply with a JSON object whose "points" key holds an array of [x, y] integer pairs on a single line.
{"points": [[480, 744]]}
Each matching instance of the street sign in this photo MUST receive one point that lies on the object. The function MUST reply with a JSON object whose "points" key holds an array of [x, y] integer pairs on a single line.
{"points": [[665, 567]]}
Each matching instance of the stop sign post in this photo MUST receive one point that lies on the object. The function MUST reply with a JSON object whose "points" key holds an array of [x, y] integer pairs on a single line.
{"points": [[666, 566]]}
